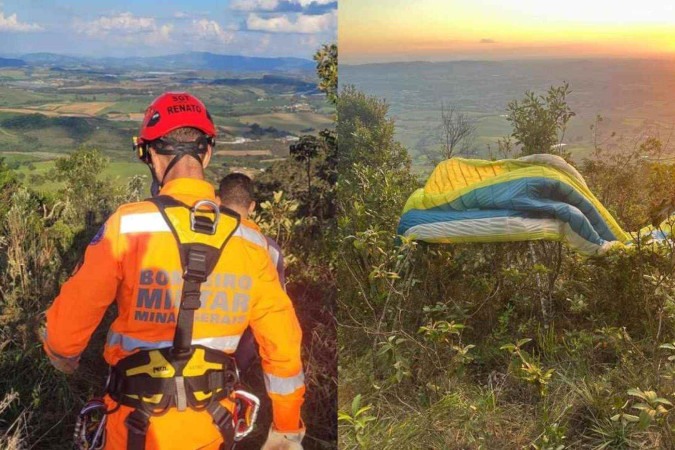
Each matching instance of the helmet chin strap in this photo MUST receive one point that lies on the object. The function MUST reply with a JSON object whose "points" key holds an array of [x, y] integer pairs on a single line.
{"points": [[180, 150], [154, 187]]}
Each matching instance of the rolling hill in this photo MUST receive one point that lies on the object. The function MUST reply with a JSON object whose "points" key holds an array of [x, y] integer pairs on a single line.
{"points": [[181, 61]]}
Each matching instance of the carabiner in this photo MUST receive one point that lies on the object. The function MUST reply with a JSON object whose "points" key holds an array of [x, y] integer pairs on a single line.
{"points": [[244, 417], [89, 433]]}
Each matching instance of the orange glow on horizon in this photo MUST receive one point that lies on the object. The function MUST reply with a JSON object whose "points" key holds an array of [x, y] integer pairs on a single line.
{"points": [[442, 29]]}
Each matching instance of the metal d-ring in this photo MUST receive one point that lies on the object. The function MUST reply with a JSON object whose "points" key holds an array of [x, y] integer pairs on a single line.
{"points": [[193, 217]]}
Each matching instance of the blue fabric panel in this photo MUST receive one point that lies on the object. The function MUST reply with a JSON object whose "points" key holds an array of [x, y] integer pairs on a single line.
{"points": [[535, 197]]}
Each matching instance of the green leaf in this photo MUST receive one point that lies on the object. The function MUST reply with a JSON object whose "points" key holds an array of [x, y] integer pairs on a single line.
{"points": [[363, 410], [344, 417], [636, 393], [522, 342], [356, 403], [642, 407], [650, 395]]}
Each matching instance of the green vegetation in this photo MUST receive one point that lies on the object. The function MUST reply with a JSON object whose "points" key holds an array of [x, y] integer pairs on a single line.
{"points": [[500, 346], [539, 122], [327, 68], [76, 127]]}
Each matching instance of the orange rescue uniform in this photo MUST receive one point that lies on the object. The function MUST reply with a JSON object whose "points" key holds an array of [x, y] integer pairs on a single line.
{"points": [[134, 260]]}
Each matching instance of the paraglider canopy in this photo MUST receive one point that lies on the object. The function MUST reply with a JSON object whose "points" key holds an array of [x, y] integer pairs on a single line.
{"points": [[538, 197]]}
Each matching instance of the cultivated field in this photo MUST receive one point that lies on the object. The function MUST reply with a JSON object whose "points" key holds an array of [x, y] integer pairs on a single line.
{"points": [[47, 112]]}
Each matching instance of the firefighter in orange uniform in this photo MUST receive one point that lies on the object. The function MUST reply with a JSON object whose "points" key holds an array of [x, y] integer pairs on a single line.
{"points": [[188, 278]]}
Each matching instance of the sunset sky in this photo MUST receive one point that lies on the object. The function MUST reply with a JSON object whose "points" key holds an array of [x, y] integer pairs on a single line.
{"points": [[434, 30]]}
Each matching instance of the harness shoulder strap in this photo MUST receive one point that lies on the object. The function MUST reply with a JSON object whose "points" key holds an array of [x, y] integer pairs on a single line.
{"points": [[200, 248], [137, 423]]}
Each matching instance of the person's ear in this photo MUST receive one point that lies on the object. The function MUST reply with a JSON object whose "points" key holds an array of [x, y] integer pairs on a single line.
{"points": [[251, 208], [207, 157], [158, 164]]}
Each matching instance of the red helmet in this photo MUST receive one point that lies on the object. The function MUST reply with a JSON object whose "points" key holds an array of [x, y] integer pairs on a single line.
{"points": [[173, 110]]}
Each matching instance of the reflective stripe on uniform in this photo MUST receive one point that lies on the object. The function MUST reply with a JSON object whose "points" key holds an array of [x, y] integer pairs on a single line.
{"points": [[284, 385], [143, 223], [130, 343], [225, 343], [274, 254], [250, 235]]}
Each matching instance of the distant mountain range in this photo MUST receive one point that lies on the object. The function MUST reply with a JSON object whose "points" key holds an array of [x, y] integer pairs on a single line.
{"points": [[182, 61], [11, 62]]}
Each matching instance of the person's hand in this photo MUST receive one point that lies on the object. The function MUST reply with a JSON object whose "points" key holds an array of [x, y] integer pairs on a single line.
{"points": [[278, 440], [65, 365]]}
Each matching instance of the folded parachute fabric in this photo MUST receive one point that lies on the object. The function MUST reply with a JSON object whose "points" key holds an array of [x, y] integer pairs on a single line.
{"points": [[539, 197], [657, 234]]}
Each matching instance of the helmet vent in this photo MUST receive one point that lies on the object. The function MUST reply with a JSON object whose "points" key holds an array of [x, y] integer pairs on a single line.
{"points": [[153, 120]]}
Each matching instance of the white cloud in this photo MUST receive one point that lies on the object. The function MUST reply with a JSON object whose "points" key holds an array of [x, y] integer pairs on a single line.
{"points": [[11, 23], [125, 22], [255, 5], [127, 27], [271, 5], [210, 29], [306, 24], [306, 3], [161, 35]]}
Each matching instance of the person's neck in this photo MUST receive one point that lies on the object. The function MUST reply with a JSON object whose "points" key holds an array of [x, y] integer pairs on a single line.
{"points": [[243, 212], [179, 171]]}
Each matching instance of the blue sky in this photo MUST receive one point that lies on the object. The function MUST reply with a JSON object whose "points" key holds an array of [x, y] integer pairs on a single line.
{"points": [[132, 28]]}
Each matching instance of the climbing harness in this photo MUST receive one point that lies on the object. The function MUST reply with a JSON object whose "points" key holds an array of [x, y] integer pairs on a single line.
{"points": [[185, 375]]}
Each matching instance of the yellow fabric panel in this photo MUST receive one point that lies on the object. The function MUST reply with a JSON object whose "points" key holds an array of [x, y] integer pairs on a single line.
{"points": [[198, 365], [534, 236], [457, 173]]}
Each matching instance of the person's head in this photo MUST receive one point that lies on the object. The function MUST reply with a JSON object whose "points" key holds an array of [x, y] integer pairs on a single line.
{"points": [[177, 137], [236, 192]]}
